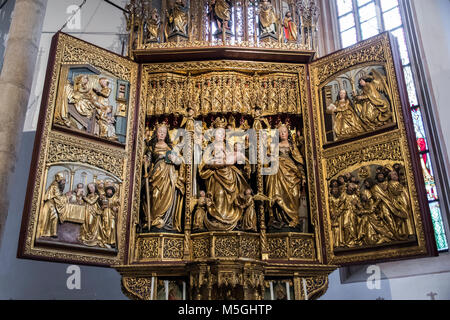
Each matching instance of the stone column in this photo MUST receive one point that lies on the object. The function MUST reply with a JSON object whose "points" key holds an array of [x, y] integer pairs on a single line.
{"points": [[15, 85]]}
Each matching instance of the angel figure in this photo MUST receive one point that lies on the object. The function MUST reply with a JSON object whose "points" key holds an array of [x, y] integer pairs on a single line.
{"points": [[153, 26], [373, 107]]}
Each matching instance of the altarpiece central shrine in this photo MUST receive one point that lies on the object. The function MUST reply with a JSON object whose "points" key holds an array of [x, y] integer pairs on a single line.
{"points": [[220, 159]]}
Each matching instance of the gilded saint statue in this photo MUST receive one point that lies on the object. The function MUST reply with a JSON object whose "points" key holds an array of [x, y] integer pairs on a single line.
{"points": [[286, 186], [260, 122], [164, 179], [290, 28], [188, 121], [198, 223], [55, 205], [346, 122], [80, 95], [220, 11], [267, 20], [225, 180], [177, 20], [153, 25], [374, 108], [110, 204]]}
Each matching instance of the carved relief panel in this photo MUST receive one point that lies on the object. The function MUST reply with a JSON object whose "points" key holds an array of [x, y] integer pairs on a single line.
{"points": [[77, 202]]}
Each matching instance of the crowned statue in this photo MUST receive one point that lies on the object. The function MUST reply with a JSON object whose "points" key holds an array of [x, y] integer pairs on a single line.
{"points": [[225, 180], [164, 179]]}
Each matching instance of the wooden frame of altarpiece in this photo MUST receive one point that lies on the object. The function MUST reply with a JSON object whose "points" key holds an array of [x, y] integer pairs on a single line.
{"points": [[82, 152]]}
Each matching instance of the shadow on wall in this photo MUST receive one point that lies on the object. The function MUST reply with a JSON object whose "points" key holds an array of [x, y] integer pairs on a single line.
{"points": [[28, 279], [6, 10]]}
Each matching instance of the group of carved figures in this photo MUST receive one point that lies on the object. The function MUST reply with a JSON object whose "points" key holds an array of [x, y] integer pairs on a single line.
{"points": [[228, 201], [223, 94], [177, 22], [368, 111], [90, 98], [377, 212], [98, 204]]}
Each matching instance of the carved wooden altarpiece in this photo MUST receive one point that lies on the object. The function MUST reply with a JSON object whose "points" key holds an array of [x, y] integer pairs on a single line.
{"points": [[362, 195]]}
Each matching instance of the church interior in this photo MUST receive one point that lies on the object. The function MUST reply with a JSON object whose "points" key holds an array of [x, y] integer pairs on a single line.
{"points": [[225, 149]]}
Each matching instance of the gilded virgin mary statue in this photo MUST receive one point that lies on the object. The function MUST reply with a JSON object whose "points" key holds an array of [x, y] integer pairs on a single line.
{"points": [[224, 182]]}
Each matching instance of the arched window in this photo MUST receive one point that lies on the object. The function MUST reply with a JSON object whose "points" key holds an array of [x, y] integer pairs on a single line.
{"points": [[359, 20]]}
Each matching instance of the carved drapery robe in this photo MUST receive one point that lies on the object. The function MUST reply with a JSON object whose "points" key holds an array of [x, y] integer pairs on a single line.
{"points": [[337, 226], [199, 215], [90, 233], [249, 220], [385, 207], [401, 208], [372, 229], [290, 29]]}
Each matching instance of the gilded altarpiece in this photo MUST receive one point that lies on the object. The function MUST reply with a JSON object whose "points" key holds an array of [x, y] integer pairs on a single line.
{"points": [[224, 178]]}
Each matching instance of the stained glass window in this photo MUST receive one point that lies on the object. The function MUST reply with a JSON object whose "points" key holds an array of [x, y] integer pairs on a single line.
{"points": [[362, 19]]}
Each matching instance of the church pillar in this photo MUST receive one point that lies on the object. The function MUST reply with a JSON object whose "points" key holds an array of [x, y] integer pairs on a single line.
{"points": [[15, 85]]}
